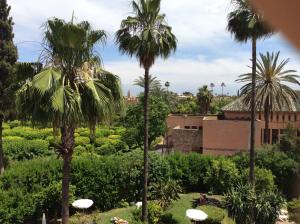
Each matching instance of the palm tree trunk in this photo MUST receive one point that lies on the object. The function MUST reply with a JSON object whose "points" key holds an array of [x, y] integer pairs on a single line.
{"points": [[253, 112], [267, 121], [1, 146], [146, 146], [92, 133], [67, 137]]}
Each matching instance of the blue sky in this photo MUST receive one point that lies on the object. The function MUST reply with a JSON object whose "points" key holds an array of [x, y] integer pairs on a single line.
{"points": [[206, 51]]}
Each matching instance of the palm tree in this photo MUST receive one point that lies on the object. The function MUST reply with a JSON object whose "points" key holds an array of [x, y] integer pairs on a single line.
{"points": [[272, 93], [212, 86], [146, 36], [223, 85], [153, 82], [204, 99], [167, 85], [245, 24], [68, 90]]}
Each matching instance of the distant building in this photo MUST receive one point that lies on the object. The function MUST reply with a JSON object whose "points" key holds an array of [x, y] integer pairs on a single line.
{"points": [[229, 133], [130, 99]]}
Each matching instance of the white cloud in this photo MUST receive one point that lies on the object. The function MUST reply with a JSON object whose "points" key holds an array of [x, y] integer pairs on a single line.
{"points": [[198, 24], [185, 74]]}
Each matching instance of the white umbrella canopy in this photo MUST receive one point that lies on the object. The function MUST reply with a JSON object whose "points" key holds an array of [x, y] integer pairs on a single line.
{"points": [[196, 214], [82, 203]]}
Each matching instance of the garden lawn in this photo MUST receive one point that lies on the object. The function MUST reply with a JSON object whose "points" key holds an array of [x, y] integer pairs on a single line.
{"points": [[177, 209], [186, 201], [102, 217]]}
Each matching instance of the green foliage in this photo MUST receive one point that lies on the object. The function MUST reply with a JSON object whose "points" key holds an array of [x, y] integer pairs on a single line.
{"points": [[204, 99], [19, 149], [8, 56], [264, 179], [246, 205], [190, 170], [155, 213], [82, 141], [187, 106], [215, 214], [222, 175], [28, 132], [283, 167], [158, 112], [290, 143], [48, 200], [294, 210], [165, 192]]}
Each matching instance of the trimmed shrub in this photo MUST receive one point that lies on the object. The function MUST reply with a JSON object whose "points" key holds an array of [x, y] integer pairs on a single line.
{"points": [[28, 132], [25, 149], [82, 141], [215, 214]]}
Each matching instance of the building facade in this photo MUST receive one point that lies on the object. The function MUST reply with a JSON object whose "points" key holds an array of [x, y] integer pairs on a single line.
{"points": [[229, 133]]}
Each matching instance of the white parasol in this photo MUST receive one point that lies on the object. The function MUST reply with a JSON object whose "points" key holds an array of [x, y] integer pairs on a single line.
{"points": [[196, 215], [139, 204], [82, 203]]}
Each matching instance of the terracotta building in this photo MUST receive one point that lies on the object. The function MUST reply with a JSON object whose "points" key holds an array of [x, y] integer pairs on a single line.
{"points": [[229, 133]]}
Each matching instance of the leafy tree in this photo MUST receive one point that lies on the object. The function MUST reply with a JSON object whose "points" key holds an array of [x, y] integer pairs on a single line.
{"points": [[146, 36], [70, 90], [134, 121], [8, 57], [187, 106], [271, 91], [245, 24], [290, 142], [204, 99]]}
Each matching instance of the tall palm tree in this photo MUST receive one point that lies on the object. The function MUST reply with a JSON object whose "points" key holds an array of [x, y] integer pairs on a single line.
{"points": [[68, 90], [223, 85], [167, 85], [245, 24], [146, 36], [204, 99], [272, 93], [154, 83], [212, 86]]}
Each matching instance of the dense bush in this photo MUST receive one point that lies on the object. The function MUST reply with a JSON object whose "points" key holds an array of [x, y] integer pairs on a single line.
{"points": [[17, 149], [264, 179], [247, 206], [222, 175], [215, 214], [190, 170], [284, 168], [155, 213], [106, 180]]}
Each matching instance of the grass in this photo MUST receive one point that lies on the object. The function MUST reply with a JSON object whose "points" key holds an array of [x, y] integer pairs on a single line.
{"points": [[102, 217], [177, 209]]}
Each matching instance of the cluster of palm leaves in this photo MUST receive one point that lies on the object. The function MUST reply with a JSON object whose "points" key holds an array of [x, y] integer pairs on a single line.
{"points": [[272, 91]]}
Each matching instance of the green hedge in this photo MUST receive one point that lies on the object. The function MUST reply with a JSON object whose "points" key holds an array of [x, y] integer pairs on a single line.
{"points": [[16, 148], [106, 180]]}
